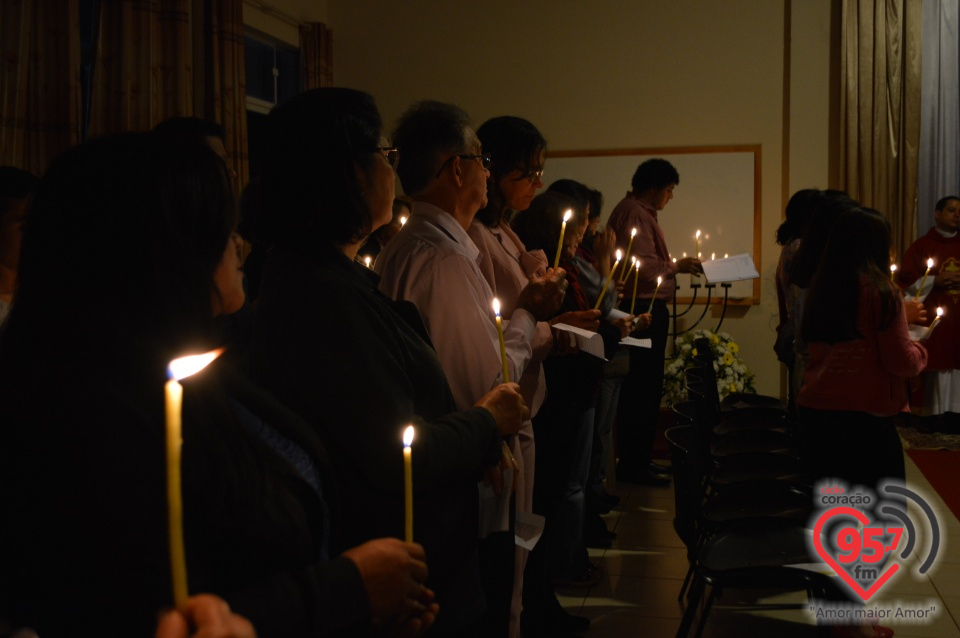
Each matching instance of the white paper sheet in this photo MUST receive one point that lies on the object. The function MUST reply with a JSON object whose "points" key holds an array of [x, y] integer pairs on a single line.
{"points": [[529, 529], [494, 509], [589, 342], [636, 343], [736, 268]]}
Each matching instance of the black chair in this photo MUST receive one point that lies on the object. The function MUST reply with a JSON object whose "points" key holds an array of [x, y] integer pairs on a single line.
{"points": [[736, 544]]}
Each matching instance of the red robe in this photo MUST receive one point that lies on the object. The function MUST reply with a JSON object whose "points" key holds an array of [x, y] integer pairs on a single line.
{"points": [[944, 345]]}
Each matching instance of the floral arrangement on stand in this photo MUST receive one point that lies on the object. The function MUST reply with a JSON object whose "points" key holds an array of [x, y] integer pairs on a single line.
{"points": [[732, 373]]}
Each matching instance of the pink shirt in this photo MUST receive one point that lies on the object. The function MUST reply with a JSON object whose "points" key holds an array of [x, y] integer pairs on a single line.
{"points": [[508, 266], [434, 263], [649, 246], [865, 375]]}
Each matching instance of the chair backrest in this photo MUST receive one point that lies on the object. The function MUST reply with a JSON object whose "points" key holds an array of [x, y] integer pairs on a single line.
{"points": [[687, 484]]}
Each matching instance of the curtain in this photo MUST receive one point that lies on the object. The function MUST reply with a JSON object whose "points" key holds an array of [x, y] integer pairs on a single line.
{"points": [[940, 112], [224, 97], [880, 109], [163, 58], [40, 97], [316, 56], [143, 67]]}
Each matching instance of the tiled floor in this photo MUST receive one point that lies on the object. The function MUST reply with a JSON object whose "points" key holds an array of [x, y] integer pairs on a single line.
{"points": [[644, 570]]}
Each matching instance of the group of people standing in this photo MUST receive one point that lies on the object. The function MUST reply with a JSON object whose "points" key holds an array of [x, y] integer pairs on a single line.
{"points": [[292, 476]]}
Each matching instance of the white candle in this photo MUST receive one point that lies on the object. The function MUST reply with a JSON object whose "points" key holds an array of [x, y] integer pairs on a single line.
{"points": [[606, 283], [636, 278], [408, 483], [503, 346], [563, 227], [179, 369], [924, 280], [626, 271], [936, 320], [659, 281]]}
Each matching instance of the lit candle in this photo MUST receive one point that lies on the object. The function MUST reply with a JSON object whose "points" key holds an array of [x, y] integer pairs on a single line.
{"points": [[924, 280], [893, 272], [408, 483], [367, 261], [503, 346], [563, 227], [626, 271], [636, 278], [659, 281], [606, 282], [936, 320], [403, 220], [674, 260], [179, 369], [725, 255], [696, 253], [713, 256]]}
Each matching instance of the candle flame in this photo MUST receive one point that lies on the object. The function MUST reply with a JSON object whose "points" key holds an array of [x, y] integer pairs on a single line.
{"points": [[725, 255], [633, 259], [939, 311], [408, 436], [633, 233], [893, 268], [713, 256], [496, 306], [567, 215], [190, 365], [403, 220], [619, 255], [659, 280], [638, 265], [930, 263], [698, 234], [367, 260], [675, 259]]}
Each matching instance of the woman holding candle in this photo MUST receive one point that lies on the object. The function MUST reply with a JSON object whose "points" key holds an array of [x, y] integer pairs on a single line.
{"points": [[356, 365], [860, 355], [82, 371], [564, 426], [517, 151]]}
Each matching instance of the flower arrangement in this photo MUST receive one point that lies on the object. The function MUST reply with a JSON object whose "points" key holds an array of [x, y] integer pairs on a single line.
{"points": [[732, 373]]}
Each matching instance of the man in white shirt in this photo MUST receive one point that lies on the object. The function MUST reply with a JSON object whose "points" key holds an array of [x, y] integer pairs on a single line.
{"points": [[433, 263]]}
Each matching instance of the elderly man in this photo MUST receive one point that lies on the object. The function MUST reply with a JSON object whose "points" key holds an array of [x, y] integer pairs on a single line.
{"points": [[434, 263]]}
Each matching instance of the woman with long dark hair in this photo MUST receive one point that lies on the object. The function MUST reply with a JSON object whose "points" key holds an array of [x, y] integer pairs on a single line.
{"points": [[128, 257], [860, 356]]}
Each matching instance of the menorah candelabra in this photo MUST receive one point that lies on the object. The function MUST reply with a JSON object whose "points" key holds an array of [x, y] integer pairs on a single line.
{"points": [[706, 306]]}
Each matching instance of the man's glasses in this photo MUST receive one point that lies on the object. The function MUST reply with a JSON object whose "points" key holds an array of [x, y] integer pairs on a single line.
{"points": [[483, 159], [392, 154]]}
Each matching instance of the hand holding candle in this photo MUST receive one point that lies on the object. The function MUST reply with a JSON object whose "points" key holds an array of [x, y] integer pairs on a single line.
{"points": [[652, 299], [563, 227], [503, 346], [606, 282], [936, 320], [626, 271], [408, 483], [179, 369]]}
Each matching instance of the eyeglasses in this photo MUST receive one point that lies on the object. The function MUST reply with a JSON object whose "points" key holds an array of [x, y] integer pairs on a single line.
{"points": [[533, 174], [483, 159], [392, 154]]}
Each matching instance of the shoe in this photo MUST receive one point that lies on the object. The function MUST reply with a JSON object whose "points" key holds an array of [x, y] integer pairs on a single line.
{"points": [[656, 468], [588, 577], [596, 534], [643, 477]]}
